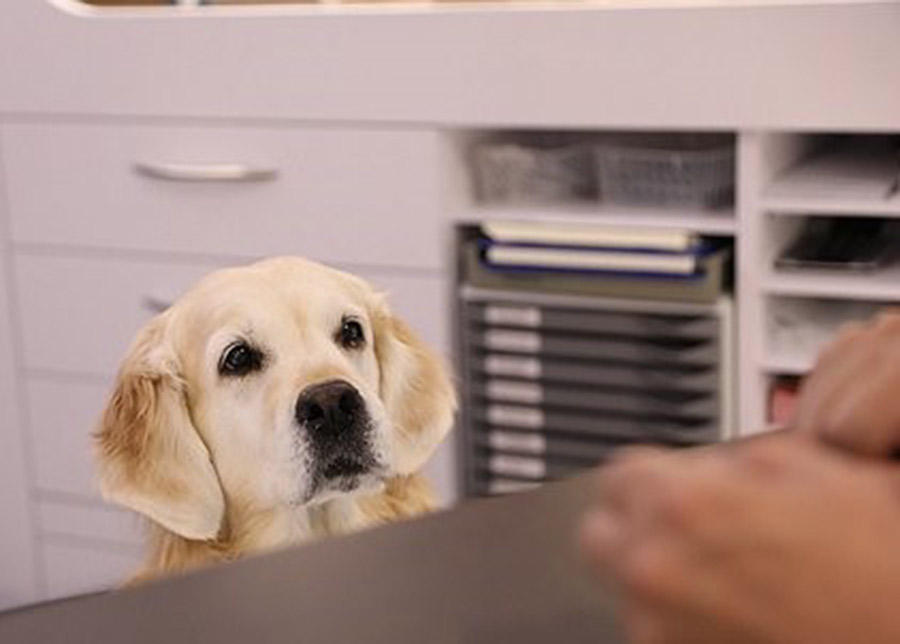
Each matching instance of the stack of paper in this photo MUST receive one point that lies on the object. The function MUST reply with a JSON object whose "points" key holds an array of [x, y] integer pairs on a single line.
{"points": [[586, 248]]}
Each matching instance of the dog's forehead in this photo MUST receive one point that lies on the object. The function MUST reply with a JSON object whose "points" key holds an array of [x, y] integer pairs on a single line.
{"points": [[281, 288]]}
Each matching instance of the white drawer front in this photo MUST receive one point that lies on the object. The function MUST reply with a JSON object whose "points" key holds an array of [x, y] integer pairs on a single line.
{"points": [[74, 568], [87, 521], [63, 415], [341, 195], [79, 315]]}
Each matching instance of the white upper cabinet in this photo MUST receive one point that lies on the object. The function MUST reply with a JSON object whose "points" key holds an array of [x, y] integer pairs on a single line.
{"points": [[808, 66]]}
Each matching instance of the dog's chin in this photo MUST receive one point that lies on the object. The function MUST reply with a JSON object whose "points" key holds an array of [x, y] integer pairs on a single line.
{"points": [[342, 480]]}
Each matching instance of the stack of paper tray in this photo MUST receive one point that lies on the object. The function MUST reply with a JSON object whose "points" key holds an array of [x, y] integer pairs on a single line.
{"points": [[553, 383], [707, 286]]}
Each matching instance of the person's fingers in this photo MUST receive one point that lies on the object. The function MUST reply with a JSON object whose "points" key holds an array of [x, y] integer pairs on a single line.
{"points": [[779, 454], [639, 494], [679, 588], [632, 472], [850, 399], [861, 419], [652, 490], [848, 335], [675, 542], [601, 538], [642, 624], [838, 368], [888, 320]]}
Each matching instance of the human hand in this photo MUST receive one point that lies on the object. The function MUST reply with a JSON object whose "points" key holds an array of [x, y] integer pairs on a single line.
{"points": [[852, 397], [774, 540]]}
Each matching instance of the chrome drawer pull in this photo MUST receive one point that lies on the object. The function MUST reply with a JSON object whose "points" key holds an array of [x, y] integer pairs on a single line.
{"points": [[204, 172], [155, 304]]}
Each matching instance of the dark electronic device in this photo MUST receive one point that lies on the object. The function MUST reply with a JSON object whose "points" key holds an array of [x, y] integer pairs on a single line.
{"points": [[846, 243]]}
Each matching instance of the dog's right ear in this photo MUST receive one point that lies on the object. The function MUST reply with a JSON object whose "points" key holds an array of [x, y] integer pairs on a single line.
{"points": [[151, 458]]}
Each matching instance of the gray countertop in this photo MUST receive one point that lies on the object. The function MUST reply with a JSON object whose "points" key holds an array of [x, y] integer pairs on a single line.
{"points": [[496, 570]]}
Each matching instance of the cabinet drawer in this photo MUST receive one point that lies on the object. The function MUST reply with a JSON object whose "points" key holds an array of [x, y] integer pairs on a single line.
{"points": [[63, 415], [79, 315], [73, 568], [87, 521], [340, 195]]}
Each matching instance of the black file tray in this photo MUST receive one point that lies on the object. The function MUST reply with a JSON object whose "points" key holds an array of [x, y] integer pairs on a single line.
{"points": [[648, 402], [592, 322], [601, 424], [594, 372], [644, 351]]}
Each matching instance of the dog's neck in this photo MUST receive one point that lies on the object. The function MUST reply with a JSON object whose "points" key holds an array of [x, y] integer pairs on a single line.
{"points": [[247, 531]]}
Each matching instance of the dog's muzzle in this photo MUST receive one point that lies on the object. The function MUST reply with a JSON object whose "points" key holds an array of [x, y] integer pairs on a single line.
{"points": [[337, 422]]}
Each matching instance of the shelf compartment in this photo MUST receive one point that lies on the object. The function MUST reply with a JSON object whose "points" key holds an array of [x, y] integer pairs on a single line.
{"points": [[859, 177], [798, 329]]}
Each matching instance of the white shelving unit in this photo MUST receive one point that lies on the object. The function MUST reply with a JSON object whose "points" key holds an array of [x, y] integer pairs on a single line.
{"points": [[767, 223]]}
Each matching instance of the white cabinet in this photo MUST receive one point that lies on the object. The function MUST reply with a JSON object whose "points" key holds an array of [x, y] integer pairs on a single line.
{"points": [[83, 521], [62, 413], [79, 314]]}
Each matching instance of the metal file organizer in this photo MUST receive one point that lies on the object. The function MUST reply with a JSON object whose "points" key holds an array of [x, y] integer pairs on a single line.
{"points": [[553, 383]]}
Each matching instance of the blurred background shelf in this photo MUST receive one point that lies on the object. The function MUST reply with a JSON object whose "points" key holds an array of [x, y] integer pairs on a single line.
{"points": [[881, 284], [786, 363], [848, 207], [798, 328], [850, 175]]}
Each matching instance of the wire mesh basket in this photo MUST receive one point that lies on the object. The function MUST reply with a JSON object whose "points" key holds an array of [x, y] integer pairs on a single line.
{"points": [[687, 173], [541, 171]]}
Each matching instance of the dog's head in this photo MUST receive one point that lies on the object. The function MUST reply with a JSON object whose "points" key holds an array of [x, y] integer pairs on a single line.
{"points": [[279, 384]]}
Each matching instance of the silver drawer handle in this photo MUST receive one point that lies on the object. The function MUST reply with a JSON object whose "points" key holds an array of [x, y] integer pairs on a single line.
{"points": [[155, 304], [204, 172]]}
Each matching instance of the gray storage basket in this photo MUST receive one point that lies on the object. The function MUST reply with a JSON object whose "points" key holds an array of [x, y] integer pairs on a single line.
{"points": [[637, 175], [534, 172]]}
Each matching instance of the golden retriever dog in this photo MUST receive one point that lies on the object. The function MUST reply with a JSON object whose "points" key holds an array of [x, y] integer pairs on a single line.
{"points": [[271, 404]]}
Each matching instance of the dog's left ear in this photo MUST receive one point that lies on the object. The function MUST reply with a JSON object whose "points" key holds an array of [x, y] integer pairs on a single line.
{"points": [[415, 389]]}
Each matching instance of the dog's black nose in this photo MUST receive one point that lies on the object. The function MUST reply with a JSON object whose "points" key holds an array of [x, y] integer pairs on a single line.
{"points": [[330, 408]]}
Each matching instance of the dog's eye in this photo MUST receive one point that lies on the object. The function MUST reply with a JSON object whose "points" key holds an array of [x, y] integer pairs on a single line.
{"points": [[239, 359], [351, 335]]}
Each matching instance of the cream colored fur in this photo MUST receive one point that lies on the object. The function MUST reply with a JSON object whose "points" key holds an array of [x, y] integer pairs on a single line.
{"points": [[215, 463]]}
